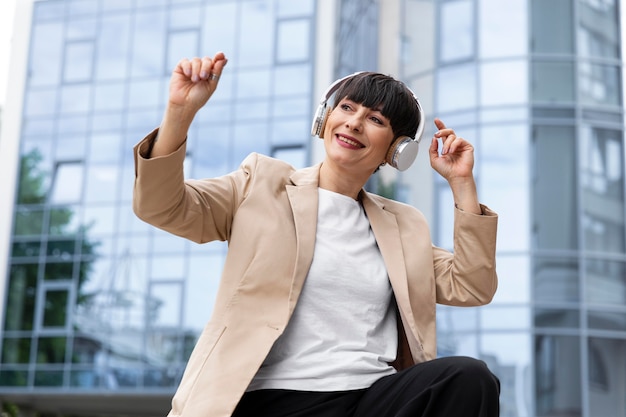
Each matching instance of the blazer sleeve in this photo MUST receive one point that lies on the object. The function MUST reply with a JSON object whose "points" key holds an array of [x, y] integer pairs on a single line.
{"points": [[467, 277], [199, 210]]}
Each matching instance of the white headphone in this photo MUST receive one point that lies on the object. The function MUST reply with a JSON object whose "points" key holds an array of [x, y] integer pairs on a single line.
{"points": [[403, 150]]}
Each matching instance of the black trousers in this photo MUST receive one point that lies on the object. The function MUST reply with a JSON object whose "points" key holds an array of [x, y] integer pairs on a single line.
{"points": [[445, 387]]}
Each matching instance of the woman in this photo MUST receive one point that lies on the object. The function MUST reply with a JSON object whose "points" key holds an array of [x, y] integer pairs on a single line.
{"points": [[326, 305]]}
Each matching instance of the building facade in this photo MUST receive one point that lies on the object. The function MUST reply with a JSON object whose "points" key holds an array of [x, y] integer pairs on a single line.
{"points": [[96, 305], [538, 86]]}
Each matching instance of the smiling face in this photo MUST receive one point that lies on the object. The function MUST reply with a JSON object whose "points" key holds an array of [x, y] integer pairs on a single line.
{"points": [[357, 137]]}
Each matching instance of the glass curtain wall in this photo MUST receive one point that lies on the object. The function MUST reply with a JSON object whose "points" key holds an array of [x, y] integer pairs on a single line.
{"points": [[542, 102], [96, 299]]}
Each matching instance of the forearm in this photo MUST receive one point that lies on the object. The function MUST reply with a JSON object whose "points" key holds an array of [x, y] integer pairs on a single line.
{"points": [[465, 195], [172, 131]]}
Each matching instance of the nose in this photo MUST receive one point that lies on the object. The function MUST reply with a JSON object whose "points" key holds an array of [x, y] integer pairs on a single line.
{"points": [[355, 122]]}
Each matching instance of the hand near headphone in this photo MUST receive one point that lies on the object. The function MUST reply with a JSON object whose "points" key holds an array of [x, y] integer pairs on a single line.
{"points": [[457, 155], [195, 80], [455, 164]]}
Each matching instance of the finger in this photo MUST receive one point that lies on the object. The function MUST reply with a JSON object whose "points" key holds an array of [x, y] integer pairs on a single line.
{"points": [[196, 64], [185, 67], [433, 150], [205, 68], [219, 61], [447, 143], [440, 125]]}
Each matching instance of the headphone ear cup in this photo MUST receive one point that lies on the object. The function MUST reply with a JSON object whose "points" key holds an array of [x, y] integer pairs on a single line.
{"points": [[319, 121], [402, 153]]}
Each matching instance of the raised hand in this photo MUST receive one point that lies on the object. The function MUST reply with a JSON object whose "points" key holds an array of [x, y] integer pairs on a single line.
{"points": [[455, 164], [192, 83], [195, 80], [457, 154]]}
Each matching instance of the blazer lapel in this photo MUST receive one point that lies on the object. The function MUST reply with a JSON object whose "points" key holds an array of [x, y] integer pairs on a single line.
{"points": [[387, 233], [303, 197]]}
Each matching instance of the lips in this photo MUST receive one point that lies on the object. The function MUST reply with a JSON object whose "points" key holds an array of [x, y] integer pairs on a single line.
{"points": [[349, 141]]}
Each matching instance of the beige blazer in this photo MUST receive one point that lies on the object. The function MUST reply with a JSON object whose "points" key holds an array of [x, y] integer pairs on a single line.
{"points": [[267, 211]]}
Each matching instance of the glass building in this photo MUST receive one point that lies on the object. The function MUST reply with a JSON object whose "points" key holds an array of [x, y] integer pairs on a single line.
{"points": [[99, 311]]}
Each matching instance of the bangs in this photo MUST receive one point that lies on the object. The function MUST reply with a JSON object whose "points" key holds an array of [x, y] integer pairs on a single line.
{"points": [[385, 94]]}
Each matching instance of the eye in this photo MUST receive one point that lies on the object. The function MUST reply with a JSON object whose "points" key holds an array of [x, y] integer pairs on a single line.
{"points": [[377, 120], [345, 106]]}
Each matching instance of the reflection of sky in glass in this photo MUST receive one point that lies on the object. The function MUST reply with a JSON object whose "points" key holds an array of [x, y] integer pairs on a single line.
{"points": [[456, 30], [503, 28]]}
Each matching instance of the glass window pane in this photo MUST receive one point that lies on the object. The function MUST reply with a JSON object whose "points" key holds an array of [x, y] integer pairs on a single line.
{"points": [[606, 320], [458, 43], [503, 28], [291, 80], [295, 156], [556, 318], [546, 36], [517, 289], [607, 377], [555, 220], [418, 41], [102, 183], [165, 301], [81, 28], [598, 31], [41, 102], [58, 271], [505, 318], [288, 8], [168, 267], [63, 220], [20, 299], [557, 376], [70, 147], [221, 34], [181, 44], [600, 84], [48, 379], [509, 356], [28, 221], [78, 64], [45, 54], [601, 173], [556, 280], [100, 220], [254, 84], [75, 98], [256, 38], [109, 96], [67, 183], [51, 350], [457, 88], [55, 308], [504, 183], [145, 93], [495, 78], [605, 282], [293, 40], [553, 82], [184, 17], [113, 45], [148, 40], [16, 350]]}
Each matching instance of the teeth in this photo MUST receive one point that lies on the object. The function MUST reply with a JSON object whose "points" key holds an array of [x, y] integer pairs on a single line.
{"points": [[348, 141]]}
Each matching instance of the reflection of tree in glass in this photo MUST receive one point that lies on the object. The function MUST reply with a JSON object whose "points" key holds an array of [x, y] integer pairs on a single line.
{"points": [[38, 228]]}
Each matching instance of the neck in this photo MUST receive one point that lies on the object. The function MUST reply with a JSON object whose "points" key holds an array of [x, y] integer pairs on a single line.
{"points": [[341, 181]]}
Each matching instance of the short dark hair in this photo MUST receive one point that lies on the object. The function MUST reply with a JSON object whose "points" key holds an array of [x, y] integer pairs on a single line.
{"points": [[391, 97]]}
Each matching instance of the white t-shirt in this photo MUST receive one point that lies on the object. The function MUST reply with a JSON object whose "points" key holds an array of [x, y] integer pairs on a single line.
{"points": [[343, 333]]}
